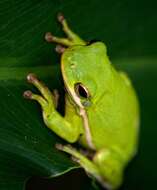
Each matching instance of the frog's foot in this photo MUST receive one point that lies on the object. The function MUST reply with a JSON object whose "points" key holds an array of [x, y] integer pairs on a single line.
{"points": [[84, 162], [60, 49], [47, 100], [72, 38]]}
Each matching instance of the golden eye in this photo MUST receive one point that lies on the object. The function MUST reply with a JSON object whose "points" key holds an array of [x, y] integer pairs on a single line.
{"points": [[81, 90]]}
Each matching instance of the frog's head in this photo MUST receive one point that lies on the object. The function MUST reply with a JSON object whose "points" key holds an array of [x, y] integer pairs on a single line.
{"points": [[84, 69]]}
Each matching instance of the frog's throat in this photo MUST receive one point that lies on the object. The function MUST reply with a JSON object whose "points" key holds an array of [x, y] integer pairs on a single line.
{"points": [[84, 116]]}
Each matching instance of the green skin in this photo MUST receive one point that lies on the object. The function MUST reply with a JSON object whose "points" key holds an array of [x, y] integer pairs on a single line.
{"points": [[102, 111]]}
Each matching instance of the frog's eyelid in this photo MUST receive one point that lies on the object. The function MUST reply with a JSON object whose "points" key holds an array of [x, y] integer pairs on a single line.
{"points": [[81, 90]]}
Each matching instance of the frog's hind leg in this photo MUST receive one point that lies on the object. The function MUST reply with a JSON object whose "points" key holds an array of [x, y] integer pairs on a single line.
{"points": [[110, 165], [72, 38], [91, 168]]}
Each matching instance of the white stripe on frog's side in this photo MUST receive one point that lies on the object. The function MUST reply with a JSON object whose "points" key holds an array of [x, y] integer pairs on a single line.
{"points": [[82, 111], [84, 116]]}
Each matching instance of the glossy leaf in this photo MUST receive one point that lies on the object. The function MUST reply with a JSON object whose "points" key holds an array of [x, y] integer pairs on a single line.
{"points": [[27, 147]]}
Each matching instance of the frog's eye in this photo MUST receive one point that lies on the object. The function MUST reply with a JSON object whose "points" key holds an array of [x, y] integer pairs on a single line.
{"points": [[81, 90]]}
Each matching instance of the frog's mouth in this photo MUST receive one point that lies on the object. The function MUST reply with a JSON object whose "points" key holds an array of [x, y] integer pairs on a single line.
{"points": [[72, 90], [82, 112]]}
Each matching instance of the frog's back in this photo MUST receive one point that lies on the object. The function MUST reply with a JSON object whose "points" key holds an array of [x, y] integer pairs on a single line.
{"points": [[116, 116], [113, 115]]}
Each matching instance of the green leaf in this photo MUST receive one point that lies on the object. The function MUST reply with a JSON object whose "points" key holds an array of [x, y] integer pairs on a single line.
{"points": [[27, 147]]}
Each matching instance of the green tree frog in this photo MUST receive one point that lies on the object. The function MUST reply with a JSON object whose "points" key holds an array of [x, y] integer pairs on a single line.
{"points": [[101, 108]]}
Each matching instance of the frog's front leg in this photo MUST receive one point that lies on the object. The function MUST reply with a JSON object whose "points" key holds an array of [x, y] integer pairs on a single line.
{"points": [[52, 118], [72, 38]]}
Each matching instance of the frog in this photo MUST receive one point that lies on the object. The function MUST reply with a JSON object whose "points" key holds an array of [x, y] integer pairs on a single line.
{"points": [[101, 108]]}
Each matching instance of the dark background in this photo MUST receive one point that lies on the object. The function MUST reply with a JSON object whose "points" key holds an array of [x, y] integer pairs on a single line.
{"points": [[129, 30]]}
